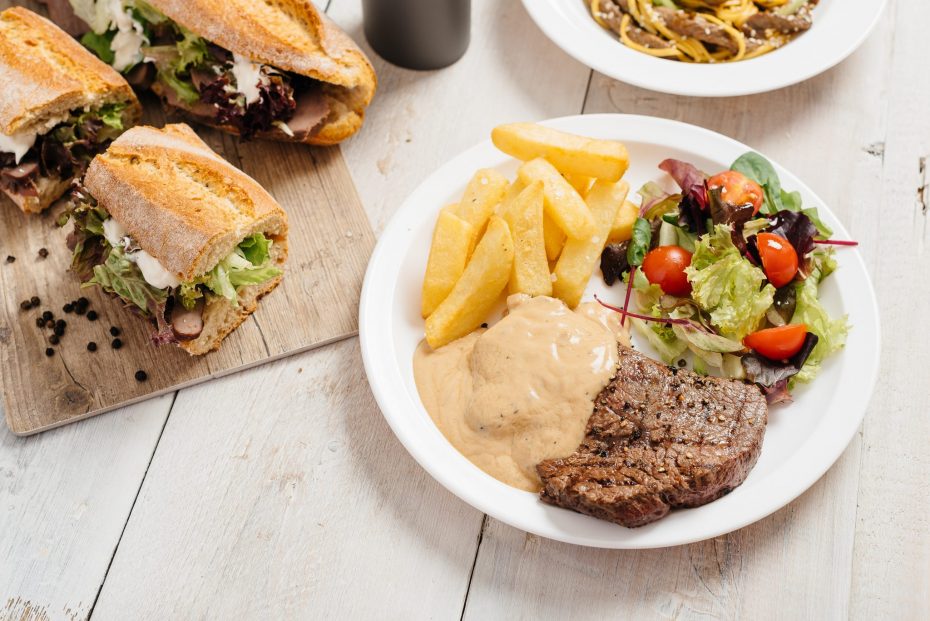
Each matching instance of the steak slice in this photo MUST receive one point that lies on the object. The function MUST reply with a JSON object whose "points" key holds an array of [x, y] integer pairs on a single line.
{"points": [[660, 437]]}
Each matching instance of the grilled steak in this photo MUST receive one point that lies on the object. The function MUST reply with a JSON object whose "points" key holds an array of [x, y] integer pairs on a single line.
{"points": [[659, 438]]}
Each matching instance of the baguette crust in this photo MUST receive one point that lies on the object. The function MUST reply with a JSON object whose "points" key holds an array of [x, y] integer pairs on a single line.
{"points": [[45, 74], [290, 35], [181, 202]]}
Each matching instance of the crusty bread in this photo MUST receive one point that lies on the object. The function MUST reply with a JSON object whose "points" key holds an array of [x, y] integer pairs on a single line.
{"points": [[45, 74], [220, 317], [181, 202], [50, 190], [290, 35]]}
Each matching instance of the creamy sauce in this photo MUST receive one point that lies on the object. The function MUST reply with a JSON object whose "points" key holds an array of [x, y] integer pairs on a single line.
{"points": [[248, 77], [152, 270], [129, 38], [521, 391], [19, 143]]}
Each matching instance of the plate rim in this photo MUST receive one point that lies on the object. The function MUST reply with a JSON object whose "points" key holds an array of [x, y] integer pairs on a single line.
{"points": [[370, 310], [543, 14]]}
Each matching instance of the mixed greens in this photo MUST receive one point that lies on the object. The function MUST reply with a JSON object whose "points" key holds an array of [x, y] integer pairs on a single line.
{"points": [[116, 270], [729, 269], [65, 150]]}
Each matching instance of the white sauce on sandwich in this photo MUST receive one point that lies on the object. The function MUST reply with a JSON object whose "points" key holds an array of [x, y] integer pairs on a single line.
{"points": [[129, 39], [18, 144], [152, 270], [248, 77]]}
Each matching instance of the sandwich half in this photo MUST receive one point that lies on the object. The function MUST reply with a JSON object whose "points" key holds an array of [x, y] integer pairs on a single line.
{"points": [[274, 69], [178, 234], [59, 107]]}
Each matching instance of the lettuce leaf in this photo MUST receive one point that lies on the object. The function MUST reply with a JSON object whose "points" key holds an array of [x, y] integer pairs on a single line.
{"points": [[831, 333], [248, 264], [728, 286], [174, 65], [121, 276], [99, 44]]}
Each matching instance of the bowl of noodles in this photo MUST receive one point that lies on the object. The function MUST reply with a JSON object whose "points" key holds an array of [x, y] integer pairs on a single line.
{"points": [[708, 48]]}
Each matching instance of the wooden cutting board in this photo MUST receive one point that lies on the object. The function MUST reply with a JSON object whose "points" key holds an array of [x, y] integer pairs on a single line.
{"points": [[330, 241]]}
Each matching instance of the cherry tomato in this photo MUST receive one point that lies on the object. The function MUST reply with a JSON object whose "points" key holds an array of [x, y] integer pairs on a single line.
{"points": [[777, 343], [738, 189], [665, 266], [779, 259]]}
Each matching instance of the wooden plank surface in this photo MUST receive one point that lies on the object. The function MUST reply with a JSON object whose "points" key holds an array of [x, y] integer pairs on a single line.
{"points": [[251, 526], [317, 302]]}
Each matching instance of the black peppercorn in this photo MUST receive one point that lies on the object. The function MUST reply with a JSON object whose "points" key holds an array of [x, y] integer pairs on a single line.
{"points": [[67, 308], [43, 252], [54, 339], [91, 346], [49, 323], [114, 331], [47, 315], [141, 376], [49, 352], [80, 310], [25, 305], [92, 316], [82, 301], [35, 301], [10, 258], [116, 343], [40, 323]]}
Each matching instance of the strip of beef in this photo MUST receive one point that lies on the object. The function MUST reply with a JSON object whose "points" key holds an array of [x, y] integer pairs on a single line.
{"points": [[692, 25], [659, 438], [785, 24]]}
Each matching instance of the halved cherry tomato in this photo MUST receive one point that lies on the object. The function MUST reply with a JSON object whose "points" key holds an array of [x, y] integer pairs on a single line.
{"points": [[665, 266], [738, 189], [779, 259], [777, 343]]}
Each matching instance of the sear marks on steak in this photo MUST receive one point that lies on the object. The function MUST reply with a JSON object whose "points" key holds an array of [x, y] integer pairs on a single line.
{"points": [[659, 438]]}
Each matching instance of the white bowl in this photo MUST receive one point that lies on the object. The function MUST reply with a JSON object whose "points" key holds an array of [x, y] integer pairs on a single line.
{"points": [[802, 439], [840, 26]]}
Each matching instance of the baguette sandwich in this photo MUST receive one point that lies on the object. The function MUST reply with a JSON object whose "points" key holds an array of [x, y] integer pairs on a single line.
{"points": [[59, 107], [273, 69], [178, 234]]}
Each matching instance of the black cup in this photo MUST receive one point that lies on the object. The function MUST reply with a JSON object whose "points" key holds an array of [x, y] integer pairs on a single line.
{"points": [[418, 34]]}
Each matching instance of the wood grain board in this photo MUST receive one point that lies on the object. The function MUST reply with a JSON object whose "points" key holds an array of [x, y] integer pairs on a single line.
{"points": [[330, 241]]}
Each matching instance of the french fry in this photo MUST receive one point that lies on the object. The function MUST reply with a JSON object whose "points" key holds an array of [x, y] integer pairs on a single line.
{"points": [[553, 237], [482, 194], [530, 273], [562, 202], [622, 228], [604, 159], [476, 292], [452, 243], [580, 256], [513, 190], [581, 183]]}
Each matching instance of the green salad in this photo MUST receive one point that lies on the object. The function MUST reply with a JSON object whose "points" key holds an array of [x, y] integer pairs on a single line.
{"points": [[729, 269]]}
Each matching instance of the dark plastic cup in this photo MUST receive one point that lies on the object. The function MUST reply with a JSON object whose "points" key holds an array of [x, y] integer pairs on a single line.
{"points": [[418, 34]]}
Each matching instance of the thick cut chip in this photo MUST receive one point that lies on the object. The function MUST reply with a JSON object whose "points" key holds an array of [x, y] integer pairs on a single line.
{"points": [[622, 228], [580, 256], [604, 159], [476, 292], [452, 243], [562, 201], [581, 183], [482, 194], [553, 236], [530, 273]]}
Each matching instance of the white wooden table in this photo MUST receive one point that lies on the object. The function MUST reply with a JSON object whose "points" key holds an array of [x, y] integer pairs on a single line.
{"points": [[280, 492]]}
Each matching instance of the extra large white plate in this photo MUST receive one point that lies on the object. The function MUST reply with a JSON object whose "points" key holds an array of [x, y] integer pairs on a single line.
{"points": [[802, 440], [840, 26]]}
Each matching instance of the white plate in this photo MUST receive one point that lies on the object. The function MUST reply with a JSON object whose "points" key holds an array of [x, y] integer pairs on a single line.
{"points": [[840, 26], [802, 440]]}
